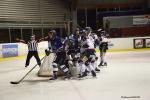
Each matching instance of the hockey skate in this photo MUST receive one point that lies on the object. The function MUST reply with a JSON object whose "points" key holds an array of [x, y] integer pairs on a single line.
{"points": [[105, 64], [67, 75], [93, 73], [101, 64], [26, 66], [97, 70], [83, 75], [54, 77]]}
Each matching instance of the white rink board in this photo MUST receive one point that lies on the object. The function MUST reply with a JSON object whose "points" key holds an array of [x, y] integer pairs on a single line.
{"points": [[124, 43], [118, 43], [0, 50]]}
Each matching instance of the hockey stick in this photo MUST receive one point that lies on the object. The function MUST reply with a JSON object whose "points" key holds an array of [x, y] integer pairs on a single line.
{"points": [[17, 82]]}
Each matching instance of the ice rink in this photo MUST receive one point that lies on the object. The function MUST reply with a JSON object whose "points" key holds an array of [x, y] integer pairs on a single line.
{"points": [[127, 77]]}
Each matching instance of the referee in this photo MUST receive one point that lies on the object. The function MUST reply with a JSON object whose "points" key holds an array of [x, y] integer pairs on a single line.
{"points": [[32, 49]]}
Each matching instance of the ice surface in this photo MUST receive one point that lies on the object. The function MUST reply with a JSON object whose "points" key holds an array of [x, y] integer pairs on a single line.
{"points": [[127, 74]]}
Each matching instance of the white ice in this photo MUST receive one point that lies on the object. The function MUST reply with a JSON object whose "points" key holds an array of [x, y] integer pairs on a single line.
{"points": [[127, 77]]}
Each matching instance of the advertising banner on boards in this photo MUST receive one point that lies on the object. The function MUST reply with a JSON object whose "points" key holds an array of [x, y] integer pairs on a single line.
{"points": [[9, 50], [139, 43], [147, 43]]}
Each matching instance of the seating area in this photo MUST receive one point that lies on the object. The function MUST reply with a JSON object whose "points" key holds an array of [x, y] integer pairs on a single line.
{"points": [[130, 31]]}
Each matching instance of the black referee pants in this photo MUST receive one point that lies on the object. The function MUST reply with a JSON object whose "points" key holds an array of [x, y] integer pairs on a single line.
{"points": [[29, 56]]}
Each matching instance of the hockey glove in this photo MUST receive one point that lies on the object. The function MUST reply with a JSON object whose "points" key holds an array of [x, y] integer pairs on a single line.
{"points": [[47, 52]]}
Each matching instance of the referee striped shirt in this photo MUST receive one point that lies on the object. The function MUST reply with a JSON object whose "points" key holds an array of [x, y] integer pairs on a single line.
{"points": [[32, 45]]}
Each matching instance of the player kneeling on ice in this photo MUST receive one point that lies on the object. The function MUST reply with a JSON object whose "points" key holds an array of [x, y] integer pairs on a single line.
{"points": [[55, 45]]}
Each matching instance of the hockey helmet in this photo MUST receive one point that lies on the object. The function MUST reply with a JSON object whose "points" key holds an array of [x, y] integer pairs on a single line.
{"points": [[83, 31], [77, 29], [99, 30], [88, 29], [52, 33]]}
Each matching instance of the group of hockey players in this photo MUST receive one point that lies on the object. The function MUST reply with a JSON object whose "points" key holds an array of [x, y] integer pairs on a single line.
{"points": [[77, 50]]}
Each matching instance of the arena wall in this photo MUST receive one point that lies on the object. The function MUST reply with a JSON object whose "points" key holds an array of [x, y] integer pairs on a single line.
{"points": [[19, 49], [0, 50]]}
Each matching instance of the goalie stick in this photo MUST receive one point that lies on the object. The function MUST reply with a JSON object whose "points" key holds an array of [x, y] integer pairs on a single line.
{"points": [[17, 82]]}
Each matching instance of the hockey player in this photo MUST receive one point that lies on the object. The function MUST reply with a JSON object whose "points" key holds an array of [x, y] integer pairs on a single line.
{"points": [[88, 57], [83, 58], [74, 40], [96, 44], [73, 49], [93, 41], [103, 47], [55, 45], [32, 49]]}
